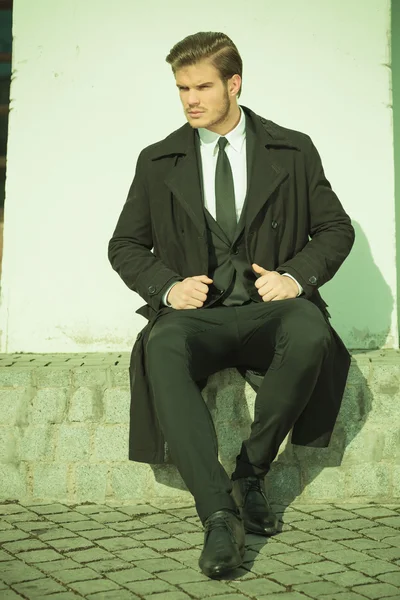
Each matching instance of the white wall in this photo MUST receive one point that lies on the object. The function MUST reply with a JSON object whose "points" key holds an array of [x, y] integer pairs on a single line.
{"points": [[91, 88]]}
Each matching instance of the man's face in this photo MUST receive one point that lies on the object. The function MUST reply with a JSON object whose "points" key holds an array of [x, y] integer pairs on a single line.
{"points": [[202, 91]]}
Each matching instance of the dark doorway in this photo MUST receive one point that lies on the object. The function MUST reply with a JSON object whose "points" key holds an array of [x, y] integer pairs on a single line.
{"points": [[5, 80]]}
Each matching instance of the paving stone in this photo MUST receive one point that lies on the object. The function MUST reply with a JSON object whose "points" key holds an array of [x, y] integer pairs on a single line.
{"points": [[61, 596], [343, 596], [119, 543], [156, 519], [67, 517], [86, 556], [21, 545], [365, 544], [93, 586], [348, 578], [357, 523], [298, 558], [320, 546], [295, 537], [83, 526], [292, 576], [152, 533], [337, 534], [392, 541], [99, 534], [313, 525], [88, 509], [10, 595], [168, 544], [344, 556], [12, 535], [49, 509], [56, 533], [36, 526], [285, 596], [182, 576], [378, 533], [134, 527], [392, 578], [16, 572], [57, 565], [374, 567], [318, 588], [273, 548], [174, 595], [136, 554], [38, 556], [177, 527], [253, 587], [71, 543], [153, 565], [38, 588], [390, 521], [375, 511], [113, 564], [149, 586], [113, 595], [377, 590], [133, 574], [72, 575], [110, 517], [322, 568], [387, 554], [266, 566], [334, 515], [22, 516]]}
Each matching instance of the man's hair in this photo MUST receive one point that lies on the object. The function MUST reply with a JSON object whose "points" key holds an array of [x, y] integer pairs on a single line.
{"points": [[212, 45]]}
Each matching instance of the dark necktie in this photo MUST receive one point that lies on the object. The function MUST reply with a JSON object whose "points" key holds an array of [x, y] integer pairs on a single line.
{"points": [[225, 192]]}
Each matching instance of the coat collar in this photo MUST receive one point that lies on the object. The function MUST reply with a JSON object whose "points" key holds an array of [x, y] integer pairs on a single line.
{"points": [[181, 141], [265, 173]]}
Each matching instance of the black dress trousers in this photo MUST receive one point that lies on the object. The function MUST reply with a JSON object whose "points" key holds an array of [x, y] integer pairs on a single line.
{"points": [[290, 338]]}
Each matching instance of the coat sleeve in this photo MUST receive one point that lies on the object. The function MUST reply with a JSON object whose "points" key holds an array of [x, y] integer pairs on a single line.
{"points": [[330, 231], [129, 249]]}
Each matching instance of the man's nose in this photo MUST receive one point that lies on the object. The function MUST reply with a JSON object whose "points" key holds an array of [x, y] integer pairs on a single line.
{"points": [[193, 99]]}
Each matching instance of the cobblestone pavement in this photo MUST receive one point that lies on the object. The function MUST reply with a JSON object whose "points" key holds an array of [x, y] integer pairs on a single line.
{"points": [[325, 552]]}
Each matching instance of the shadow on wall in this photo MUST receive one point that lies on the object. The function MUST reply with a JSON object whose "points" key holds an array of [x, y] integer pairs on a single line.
{"points": [[361, 299], [363, 291]]}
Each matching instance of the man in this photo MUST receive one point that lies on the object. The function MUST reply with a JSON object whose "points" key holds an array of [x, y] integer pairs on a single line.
{"points": [[244, 228]]}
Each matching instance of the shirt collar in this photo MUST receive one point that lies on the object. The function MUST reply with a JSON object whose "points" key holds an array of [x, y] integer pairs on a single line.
{"points": [[235, 137]]}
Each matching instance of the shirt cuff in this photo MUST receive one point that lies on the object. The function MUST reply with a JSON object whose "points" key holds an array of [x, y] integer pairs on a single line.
{"points": [[298, 285], [164, 298]]}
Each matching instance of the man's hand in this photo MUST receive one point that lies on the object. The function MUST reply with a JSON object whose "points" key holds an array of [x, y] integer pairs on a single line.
{"points": [[274, 286]]}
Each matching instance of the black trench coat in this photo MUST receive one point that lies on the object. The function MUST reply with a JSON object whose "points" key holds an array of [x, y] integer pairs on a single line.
{"points": [[161, 236]]}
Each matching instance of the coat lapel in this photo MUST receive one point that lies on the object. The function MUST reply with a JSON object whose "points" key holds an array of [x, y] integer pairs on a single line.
{"points": [[264, 174]]}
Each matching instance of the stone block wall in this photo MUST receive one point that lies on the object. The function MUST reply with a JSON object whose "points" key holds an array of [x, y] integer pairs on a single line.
{"points": [[64, 434]]}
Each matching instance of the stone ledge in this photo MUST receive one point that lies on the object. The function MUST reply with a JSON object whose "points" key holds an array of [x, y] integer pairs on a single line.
{"points": [[64, 434]]}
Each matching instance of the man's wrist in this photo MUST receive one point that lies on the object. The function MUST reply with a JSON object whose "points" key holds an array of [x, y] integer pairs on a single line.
{"points": [[298, 286]]}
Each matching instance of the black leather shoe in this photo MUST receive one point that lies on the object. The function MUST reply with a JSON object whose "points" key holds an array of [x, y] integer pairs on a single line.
{"points": [[251, 499], [224, 543]]}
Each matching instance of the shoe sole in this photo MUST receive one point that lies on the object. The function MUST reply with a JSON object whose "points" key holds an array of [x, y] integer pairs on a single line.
{"points": [[218, 572], [258, 532]]}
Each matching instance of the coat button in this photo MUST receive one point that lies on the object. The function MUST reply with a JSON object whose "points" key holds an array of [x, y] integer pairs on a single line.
{"points": [[151, 289], [235, 251], [139, 335], [312, 280], [274, 224]]}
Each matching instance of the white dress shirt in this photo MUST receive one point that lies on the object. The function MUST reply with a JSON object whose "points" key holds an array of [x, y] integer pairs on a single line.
{"points": [[236, 152]]}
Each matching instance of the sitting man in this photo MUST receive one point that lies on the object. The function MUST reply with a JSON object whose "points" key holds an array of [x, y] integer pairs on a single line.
{"points": [[231, 215]]}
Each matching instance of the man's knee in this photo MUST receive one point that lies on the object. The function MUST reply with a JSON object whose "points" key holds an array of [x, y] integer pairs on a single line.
{"points": [[163, 338], [306, 328]]}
